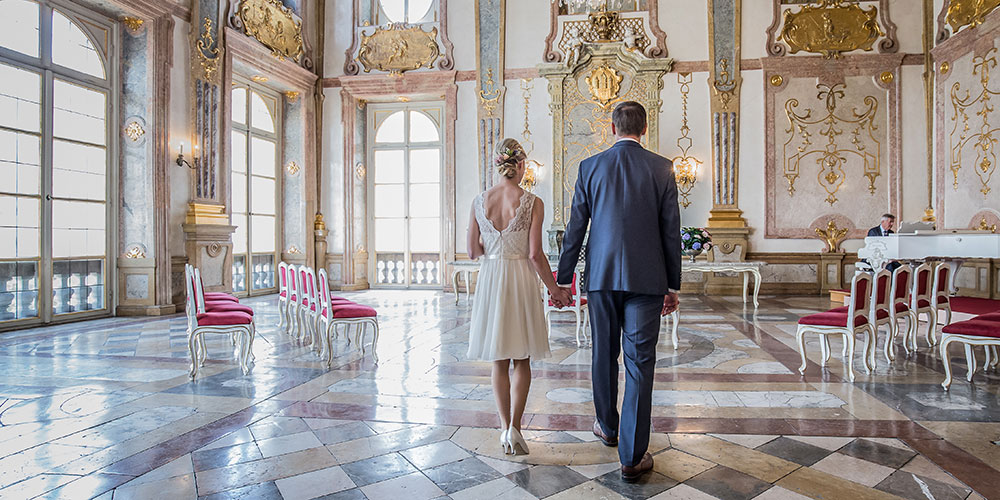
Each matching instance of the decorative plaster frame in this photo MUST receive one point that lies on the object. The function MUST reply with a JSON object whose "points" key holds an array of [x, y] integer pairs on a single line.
{"points": [[234, 21], [978, 41], [355, 93], [789, 68], [445, 62], [889, 44], [657, 49]]}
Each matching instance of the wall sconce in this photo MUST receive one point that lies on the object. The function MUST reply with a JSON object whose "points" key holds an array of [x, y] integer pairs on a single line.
{"points": [[685, 166], [181, 162], [532, 171]]}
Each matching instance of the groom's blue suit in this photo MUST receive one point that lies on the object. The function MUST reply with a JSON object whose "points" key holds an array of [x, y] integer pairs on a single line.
{"points": [[628, 195]]}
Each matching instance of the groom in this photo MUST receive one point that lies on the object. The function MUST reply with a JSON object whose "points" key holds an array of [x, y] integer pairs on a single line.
{"points": [[629, 197]]}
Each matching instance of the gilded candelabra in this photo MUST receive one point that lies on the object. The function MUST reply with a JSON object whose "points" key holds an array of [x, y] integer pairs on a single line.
{"points": [[685, 166]]}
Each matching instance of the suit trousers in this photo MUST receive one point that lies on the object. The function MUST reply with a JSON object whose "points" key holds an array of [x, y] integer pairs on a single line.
{"points": [[629, 322]]}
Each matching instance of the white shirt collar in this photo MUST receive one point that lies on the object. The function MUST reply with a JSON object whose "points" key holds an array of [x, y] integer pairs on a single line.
{"points": [[628, 139]]}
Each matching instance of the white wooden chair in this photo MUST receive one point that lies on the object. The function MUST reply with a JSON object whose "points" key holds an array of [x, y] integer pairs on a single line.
{"points": [[283, 322], [899, 308], [846, 324], [578, 306], [979, 331], [880, 313], [940, 300], [200, 323], [920, 300], [294, 301]]}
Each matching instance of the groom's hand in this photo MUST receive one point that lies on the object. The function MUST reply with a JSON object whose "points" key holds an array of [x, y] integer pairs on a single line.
{"points": [[561, 297], [670, 303]]}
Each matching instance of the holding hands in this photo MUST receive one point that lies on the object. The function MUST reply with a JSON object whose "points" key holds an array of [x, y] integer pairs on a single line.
{"points": [[560, 296]]}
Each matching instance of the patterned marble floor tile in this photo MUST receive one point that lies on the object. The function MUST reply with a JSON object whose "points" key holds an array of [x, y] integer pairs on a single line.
{"points": [[826, 442], [380, 468], [178, 487], [504, 467], [746, 440], [648, 485], [413, 486], [434, 454], [683, 492], [853, 469], [779, 493], [882, 454], [263, 491], [596, 470], [229, 455], [314, 484], [727, 484], [794, 451], [546, 480], [460, 475], [497, 489], [908, 485], [289, 443]]}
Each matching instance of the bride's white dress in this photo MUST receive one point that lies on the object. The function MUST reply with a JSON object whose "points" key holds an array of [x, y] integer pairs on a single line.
{"points": [[508, 317]]}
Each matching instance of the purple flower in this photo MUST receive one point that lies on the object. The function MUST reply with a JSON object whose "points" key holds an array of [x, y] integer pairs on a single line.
{"points": [[696, 246], [685, 236]]}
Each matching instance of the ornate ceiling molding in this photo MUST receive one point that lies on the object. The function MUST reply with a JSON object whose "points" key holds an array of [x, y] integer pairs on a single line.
{"points": [[831, 27]]}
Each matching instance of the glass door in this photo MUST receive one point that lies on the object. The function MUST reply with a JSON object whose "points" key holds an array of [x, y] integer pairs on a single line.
{"points": [[405, 195]]}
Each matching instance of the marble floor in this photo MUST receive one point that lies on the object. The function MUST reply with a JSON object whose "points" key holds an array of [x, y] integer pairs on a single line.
{"points": [[105, 409]]}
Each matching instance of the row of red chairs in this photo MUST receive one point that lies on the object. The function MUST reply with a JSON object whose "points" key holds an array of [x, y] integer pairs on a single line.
{"points": [[216, 313], [982, 330], [306, 306], [882, 299]]}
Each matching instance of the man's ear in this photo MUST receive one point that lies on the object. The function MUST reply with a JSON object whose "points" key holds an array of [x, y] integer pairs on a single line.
{"points": [[644, 130]]}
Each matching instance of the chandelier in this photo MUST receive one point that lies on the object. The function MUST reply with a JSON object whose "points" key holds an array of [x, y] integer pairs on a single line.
{"points": [[685, 166]]}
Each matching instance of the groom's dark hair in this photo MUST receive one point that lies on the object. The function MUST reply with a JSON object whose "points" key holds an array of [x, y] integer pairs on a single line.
{"points": [[629, 118]]}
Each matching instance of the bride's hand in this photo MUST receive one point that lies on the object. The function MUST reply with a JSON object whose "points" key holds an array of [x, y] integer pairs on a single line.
{"points": [[561, 297]]}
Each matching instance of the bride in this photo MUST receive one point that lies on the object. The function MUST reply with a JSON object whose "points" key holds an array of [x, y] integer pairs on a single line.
{"points": [[508, 321]]}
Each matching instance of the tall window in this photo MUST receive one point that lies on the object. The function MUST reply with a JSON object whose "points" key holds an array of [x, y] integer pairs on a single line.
{"points": [[404, 11], [254, 188], [406, 195], [54, 156]]}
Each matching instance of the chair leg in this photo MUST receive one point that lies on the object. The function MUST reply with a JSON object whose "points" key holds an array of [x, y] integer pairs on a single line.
{"points": [[824, 349], [890, 340], [576, 314], [331, 330], [849, 342], [871, 346], [375, 341], [911, 330], [800, 340], [947, 362], [970, 359], [204, 350], [931, 326], [989, 358], [193, 349]]}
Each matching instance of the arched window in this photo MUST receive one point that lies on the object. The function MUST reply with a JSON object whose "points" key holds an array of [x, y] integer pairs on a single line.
{"points": [[254, 184], [55, 129], [404, 11], [406, 195]]}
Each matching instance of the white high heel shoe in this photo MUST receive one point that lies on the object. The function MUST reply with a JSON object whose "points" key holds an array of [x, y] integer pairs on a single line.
{"points": [[517, 444], [505, 442]]}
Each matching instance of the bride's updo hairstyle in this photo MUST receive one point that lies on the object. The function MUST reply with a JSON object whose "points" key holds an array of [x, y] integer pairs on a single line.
{"points": [[508, 154]]}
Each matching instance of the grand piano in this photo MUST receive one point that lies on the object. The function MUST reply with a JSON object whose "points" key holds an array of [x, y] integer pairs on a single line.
{"points": [[924, 245]]}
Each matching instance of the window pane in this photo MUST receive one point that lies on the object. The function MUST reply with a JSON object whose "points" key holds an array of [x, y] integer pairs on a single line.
{"points": [[239, 186], [19, 26], [417, 10], [263, 271], [239, 273], [78, 113], [240, 235], [239, 151], [260, 115], [391, 130], [389, 201], [425, 165], [262, 156], [395, 10], [78, 171], [422, 128], [389, 167], [239, 106], [425, 200], [389, 234], [20, 98], [20, 218], [262, 195], [72, 48], [18, 290], [262, 232], [77, 285], [425, 235], [19, 162], [77, 228]]}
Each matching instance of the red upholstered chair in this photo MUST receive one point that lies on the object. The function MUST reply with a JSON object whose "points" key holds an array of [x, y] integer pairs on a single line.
{"points": [[940, 300], [578, 307], [310, 305], [880, 312], [847, 324], [324, 323], [974, 332], [282, 296], [294, 297], [200, 322], [899, 308], [360, 317], [920, 298]]}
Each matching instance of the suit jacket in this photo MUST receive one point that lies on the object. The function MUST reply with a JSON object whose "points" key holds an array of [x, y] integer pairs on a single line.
{"points": [[877, 231], [628, 195]]}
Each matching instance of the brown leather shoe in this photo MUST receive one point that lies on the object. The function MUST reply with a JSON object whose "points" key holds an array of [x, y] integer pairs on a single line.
{"points": [[599, 432], [632, 473]]}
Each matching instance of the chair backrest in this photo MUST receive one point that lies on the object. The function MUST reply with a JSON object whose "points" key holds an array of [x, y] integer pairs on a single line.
{"points": [[922, 276], [942, 278], [324, 290], [199, 291], [880, 292], [191, 301], [309, 290], [283, 277], [861, 297], [900, 286], [293, 283], [303, 292]]}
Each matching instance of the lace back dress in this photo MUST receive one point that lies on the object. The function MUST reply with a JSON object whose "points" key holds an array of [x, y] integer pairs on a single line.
{"points": [[508, 317]]}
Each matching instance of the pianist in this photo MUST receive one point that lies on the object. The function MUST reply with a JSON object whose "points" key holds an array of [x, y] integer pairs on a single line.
{"points": [[885, 229]]}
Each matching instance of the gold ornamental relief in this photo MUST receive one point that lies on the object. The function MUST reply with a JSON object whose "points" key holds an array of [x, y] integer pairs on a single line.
{"points": [[831, 27], [963, 13], [605, 84], [399, 48], [273, 25], [976, 128]]}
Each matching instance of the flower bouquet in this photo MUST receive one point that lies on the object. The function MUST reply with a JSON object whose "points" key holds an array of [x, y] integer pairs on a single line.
{"points": [[695, 240]]}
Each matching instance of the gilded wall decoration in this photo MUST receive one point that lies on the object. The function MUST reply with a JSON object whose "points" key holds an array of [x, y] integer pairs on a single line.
{"points": [[686, 167], [134, 131], [273, 25], [604, 84], [962, 13], [832, 235], [831, 27], [976, 128], [725, 87], [832, 142], [635, 26], [398, 48], [209, 53], [489, 96], [134, 24], [587, 32]]}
